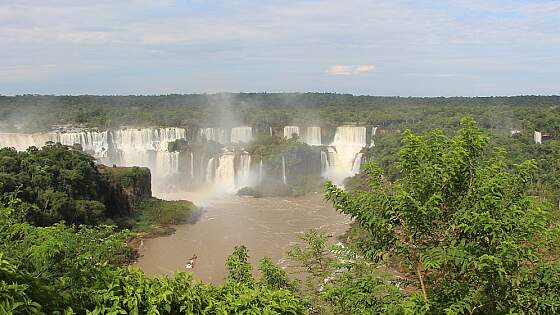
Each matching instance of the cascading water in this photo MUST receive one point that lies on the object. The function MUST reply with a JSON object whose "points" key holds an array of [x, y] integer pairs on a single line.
{"points": [[261, 173], [289, 131], [243, 176], [192, 164], [94, 142], [215, 134], [210, 169], [141, 147], [357, 164], [324, 162], [348, 142], [22, 141], [537, 136], [284, 170], [167, 163], [242, 134], [224, 179], [148, 147], [373, 131], [313, 136]]}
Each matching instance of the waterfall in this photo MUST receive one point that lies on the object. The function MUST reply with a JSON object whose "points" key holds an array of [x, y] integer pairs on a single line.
{"points": [[242, 134], [284, 170], [22, 141], [270, 129], [313, 136], [192, 164], [289, 131], [537, 137], [324, 162], [215, 134], [261, 171], [243, 176], [93, 142], [147, 138], [348, 142], [144, 147], [210, 169], [373, 131], [167, 163], [357, 164], [225, 172]]}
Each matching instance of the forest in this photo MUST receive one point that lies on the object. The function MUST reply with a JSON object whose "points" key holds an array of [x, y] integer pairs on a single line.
{"points": [[263, 110], [452, 215]]}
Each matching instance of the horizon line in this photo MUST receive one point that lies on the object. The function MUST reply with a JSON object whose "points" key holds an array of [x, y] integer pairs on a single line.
{"points": [[276, 93]]}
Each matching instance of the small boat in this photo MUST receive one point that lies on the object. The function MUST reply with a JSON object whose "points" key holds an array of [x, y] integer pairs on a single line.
{"points": [[190, 262]]}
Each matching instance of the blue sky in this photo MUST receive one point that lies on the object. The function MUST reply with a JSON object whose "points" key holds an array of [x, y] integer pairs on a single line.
{"points": [[377, 47]]}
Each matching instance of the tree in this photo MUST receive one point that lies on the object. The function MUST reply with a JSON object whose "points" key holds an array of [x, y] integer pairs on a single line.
{"points": [[460, 225]]}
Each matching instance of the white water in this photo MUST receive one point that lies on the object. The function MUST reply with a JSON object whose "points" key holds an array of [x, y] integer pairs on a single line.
{"points": [[148, 147], [242, 134], [145, 147], [155, 139], [243, 176], [261, 173], [224, 179], [210, 169], [313, 136], [356, 165], [348, 142], [284, 170], [192, 164], [373, 132], [22, 141], [289, 131], [537, 137], [97, 143], [324, 162], [167, 163], [215, 134]]}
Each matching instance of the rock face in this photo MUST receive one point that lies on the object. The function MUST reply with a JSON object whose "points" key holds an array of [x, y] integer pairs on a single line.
{"points": [[128, 185]]}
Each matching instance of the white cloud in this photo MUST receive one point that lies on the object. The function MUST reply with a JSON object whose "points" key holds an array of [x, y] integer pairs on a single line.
{"points": [[349, 70], [364, 68], [340, 70]]}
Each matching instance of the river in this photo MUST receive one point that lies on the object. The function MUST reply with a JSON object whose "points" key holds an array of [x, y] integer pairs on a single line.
{"points": [[267, 226]]}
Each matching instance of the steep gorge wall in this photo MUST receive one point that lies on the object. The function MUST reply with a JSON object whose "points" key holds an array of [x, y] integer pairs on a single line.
{"points": [[127, 186]]}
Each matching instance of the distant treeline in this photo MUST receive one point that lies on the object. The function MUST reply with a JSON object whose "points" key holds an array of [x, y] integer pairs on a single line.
{"points": [[263, 110]]}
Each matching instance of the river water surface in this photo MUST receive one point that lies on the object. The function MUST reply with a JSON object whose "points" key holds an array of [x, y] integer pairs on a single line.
{"points": [[267, 226]]}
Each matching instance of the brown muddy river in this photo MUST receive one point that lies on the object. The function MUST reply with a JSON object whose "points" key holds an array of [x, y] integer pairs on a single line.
{"points": [[267, 226]]}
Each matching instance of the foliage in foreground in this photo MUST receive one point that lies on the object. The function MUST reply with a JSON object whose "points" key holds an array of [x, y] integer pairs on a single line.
{"points": [[460, 227], [66, 270]]}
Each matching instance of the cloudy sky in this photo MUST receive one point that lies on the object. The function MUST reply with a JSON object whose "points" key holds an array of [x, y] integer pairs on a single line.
{"points": [[377, 47]]}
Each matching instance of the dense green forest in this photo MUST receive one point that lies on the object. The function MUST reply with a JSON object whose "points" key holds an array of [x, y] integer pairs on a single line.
{"points": [[263, 110]]}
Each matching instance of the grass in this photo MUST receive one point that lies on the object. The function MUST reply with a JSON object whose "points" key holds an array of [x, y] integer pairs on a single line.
{"points": [[155, 215]]}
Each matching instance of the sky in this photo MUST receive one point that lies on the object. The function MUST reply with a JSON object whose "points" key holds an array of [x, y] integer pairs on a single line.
{"points": [[375, 47]]}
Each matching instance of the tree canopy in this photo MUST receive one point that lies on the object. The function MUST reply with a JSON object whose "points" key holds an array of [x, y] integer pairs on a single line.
{"points": [[460, 225]]}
